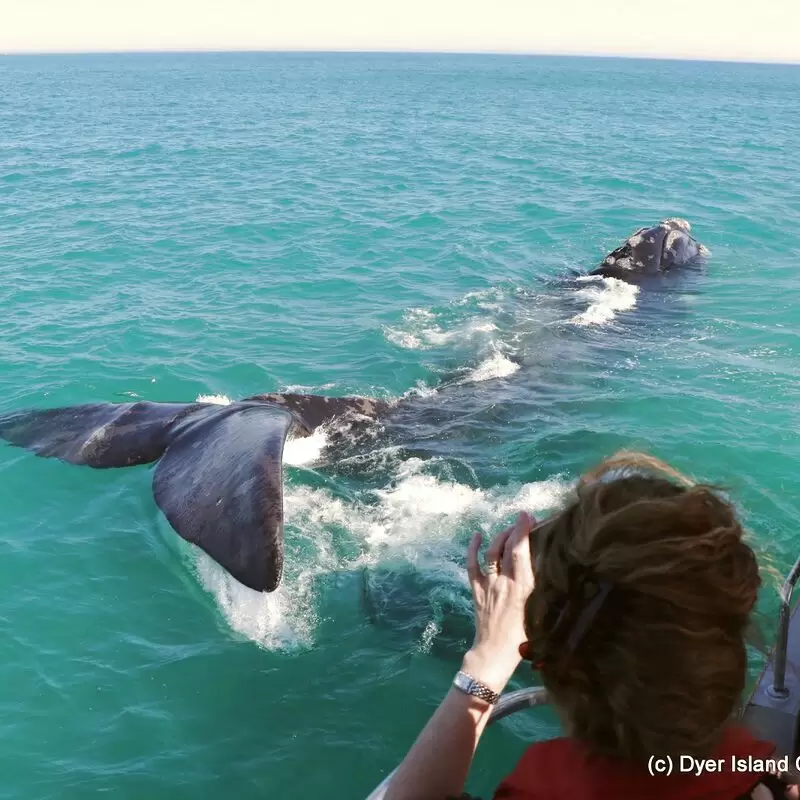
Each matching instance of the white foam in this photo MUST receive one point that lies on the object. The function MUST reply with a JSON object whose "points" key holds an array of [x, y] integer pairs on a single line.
{"points": [[421, 338], [216, 399], [422, 330], [420, 520], [417, 496], [421, 389], [605, 297], [301, 451], [421, 516], [432, 630], [436, 337], [298, 388], [419, 330], [497, 366], [495, 294], [407, 341], [286, 618], [283, 619]]}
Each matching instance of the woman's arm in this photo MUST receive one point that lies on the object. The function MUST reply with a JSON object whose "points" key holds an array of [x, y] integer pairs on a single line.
{"points": [[437, 765]]}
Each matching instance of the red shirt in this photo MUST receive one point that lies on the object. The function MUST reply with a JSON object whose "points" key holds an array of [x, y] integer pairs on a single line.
{"points": [[563, 769]]}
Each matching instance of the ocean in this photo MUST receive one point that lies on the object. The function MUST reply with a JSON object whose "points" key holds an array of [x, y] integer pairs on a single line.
{"points": [[175, 227]]}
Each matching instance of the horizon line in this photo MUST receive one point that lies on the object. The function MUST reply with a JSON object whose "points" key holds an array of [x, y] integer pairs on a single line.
{"points": [[396, 51]]}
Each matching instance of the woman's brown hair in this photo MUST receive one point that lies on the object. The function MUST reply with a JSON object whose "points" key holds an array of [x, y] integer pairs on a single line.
{"points": [[662, 567]]}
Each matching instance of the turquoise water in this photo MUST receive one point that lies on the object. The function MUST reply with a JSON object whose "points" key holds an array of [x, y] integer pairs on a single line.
{"points": [[178, 226]]}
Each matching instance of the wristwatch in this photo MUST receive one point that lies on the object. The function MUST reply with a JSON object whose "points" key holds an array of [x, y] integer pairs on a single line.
{"points": [[468, 685]]}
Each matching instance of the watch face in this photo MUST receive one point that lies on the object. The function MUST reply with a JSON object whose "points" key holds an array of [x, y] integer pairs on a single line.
{"points": [[464, 682]]}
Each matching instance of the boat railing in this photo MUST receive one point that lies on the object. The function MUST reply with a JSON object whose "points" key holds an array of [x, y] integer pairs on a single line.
{"points": [[508, 704], [778, 688]]}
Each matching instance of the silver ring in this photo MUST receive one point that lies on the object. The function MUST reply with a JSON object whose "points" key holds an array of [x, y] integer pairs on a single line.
{"points": [[492, 568]]}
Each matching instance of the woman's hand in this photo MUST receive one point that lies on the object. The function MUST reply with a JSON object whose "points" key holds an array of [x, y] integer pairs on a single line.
{"points": [[499, 594]]}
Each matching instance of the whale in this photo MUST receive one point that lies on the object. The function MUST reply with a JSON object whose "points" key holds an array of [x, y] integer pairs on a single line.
{"points": [[219, 468]]}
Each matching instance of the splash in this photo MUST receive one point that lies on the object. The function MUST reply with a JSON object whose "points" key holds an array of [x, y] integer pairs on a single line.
{"points": [[422, 330], [303, 451], [497, 366], [419, 520], [215, 399], [606, 297], [282, 620], [420, 389]]}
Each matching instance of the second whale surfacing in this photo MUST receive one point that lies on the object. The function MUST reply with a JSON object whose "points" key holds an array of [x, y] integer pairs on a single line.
{"points": [[219, 476]]}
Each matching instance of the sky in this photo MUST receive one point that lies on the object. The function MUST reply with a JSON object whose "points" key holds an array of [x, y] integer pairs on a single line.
{"points": [[737, 30]]}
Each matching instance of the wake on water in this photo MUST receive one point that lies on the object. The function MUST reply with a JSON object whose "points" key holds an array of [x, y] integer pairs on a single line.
{"points": [[419, 521]]}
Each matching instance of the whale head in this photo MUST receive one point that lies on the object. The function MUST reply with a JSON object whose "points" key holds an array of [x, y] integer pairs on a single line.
{"points": [[654, 250]]}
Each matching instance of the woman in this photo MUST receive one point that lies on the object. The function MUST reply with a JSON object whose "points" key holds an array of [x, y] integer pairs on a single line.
{"points": [[636, 620]]}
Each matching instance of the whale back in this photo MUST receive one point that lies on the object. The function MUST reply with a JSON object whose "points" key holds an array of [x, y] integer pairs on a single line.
{"points": [[315, 410]]}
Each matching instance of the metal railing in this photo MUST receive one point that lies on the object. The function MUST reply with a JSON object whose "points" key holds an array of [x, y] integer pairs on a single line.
{"points": [[507, 704], [778, 688]]}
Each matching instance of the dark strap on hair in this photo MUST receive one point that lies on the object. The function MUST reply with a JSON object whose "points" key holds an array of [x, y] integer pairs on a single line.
{"points": [[586, 595], [588, 614]]}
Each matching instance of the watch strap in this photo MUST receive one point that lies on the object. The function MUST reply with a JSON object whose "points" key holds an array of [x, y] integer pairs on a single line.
{"points": [[467, 684]]}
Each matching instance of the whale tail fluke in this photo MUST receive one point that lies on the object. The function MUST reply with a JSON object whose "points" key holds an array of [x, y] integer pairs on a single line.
{"points": [[219, 479], [100, 435]]}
